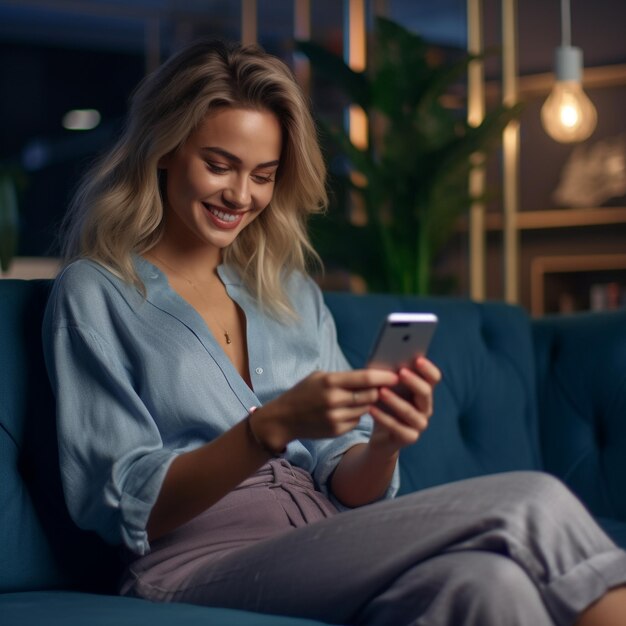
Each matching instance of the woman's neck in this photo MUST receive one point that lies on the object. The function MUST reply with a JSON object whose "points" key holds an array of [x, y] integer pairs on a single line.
{"points": [[195, 263]]}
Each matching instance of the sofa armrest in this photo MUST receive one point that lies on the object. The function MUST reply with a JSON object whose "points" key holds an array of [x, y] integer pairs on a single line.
{"points": [[581, 387]]}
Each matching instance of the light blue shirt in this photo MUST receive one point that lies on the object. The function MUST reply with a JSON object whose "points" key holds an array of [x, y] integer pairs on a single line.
{"points": [[140, 380]]}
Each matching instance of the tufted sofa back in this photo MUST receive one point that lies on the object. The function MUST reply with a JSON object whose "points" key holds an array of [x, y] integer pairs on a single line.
{"points": [[485, 417], [489, 407], [41, 548], [516, 393], [581, 385]]}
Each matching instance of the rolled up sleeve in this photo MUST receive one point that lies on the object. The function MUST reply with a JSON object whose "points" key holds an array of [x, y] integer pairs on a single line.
{"points": [[112, 458]]}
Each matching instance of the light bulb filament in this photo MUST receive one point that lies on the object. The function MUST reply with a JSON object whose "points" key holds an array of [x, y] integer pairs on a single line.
{"points": [[569, 115]]}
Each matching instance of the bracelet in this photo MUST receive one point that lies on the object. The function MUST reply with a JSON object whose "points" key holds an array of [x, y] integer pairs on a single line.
{"points": [[261, 444]]}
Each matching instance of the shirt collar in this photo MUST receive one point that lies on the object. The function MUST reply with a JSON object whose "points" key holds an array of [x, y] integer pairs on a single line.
{"points": [[150, 274]]}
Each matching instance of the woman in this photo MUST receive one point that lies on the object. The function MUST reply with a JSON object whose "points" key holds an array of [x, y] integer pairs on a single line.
{"points": [[209, 423]]}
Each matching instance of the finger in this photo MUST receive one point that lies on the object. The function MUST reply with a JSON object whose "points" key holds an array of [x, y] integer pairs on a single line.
{"points": [[420, 390], [344, 419], [360, 397], [354, 398], [402, 433], [403, 410], [332, 423], [362, 379], [428, 370]]}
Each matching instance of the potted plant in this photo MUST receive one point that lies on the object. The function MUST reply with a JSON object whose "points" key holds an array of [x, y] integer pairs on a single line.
{"points": [[412, 178]]}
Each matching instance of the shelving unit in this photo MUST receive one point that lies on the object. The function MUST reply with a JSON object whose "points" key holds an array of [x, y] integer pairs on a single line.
{"points": [[564, 283], [561, 284], [539, 241], [556, 218], [564, 255], [33, 267]]}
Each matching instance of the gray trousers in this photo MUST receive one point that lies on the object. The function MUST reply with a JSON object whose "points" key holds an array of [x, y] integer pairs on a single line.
{"points": [[509, 549]]}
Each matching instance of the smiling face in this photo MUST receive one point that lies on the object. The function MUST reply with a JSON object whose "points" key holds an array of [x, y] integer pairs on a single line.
{"points": [[221, 178]]}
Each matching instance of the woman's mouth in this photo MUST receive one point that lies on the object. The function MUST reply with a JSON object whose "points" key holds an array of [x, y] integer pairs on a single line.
{"points": [[223, 218]]}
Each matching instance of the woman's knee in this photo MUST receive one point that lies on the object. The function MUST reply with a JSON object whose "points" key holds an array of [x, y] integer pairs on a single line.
{"points": [[538, 482], [545, 492], [469, 587], [493, 589]]}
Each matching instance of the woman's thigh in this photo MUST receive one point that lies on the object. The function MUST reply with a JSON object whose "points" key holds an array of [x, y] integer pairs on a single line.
{"points": [[331, 569]]}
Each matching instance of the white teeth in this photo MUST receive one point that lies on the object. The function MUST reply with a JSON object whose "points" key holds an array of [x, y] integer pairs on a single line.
{"points": [[225, 217]]}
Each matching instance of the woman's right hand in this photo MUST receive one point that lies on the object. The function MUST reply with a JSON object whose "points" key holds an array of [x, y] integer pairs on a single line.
{"points": [[324, 404]]}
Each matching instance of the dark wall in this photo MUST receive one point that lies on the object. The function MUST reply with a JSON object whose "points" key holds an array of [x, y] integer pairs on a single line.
{"points": [[39, 84], [597, 28]]}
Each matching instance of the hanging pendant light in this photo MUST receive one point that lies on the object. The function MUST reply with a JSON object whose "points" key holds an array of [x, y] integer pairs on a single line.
{"points": [[568, 115]]}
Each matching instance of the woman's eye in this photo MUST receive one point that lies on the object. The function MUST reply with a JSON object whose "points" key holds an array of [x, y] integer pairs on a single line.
{"points": [[262, 180], [216, 169]]}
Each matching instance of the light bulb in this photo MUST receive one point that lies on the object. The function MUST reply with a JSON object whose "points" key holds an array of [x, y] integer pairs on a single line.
{"points": [[568, 115]]}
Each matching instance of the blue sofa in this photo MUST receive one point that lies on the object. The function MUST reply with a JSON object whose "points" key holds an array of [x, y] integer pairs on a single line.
{"points": [[517, 393]]}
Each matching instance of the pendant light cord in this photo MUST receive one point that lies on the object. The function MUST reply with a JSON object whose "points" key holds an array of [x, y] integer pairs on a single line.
{"points": [[566, 24]]}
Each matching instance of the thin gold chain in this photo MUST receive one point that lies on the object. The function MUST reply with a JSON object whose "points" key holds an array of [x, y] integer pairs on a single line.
{"points": [[193, 286]]}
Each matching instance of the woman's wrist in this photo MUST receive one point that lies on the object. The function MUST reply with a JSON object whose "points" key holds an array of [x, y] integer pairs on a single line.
{"points": [[260, 437], [381, 453], [363, 475], [380, 447]]}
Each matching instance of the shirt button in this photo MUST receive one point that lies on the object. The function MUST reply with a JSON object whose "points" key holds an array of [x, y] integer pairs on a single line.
{"points": [[259, 370]]}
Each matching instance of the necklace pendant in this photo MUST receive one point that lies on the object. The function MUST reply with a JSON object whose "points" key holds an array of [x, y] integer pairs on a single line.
{"points": [[227, 336]]}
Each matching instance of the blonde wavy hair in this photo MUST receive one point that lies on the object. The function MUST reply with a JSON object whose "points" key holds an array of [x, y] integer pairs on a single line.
{"points": [[118, 209]]}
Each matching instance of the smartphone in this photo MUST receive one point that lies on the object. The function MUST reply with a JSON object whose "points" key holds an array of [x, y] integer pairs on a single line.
{"points": [[402, 338]]}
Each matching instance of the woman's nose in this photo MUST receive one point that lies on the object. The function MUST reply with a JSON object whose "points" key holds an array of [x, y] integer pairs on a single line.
{"points": [[237, 194]]}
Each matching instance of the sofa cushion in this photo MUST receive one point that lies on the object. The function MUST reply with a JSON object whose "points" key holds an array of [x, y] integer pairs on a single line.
{"points": [[485, 418], [615, 529], [41, 546], [581, 382], [55, 608]]}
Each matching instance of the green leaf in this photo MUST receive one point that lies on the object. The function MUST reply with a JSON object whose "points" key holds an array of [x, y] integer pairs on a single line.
{"points": [[417, 163], [480, 138], [332, 67]]}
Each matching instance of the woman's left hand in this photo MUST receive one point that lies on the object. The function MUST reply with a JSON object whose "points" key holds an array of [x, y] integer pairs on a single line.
{"points": [[365, 470], [399, 421]]}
